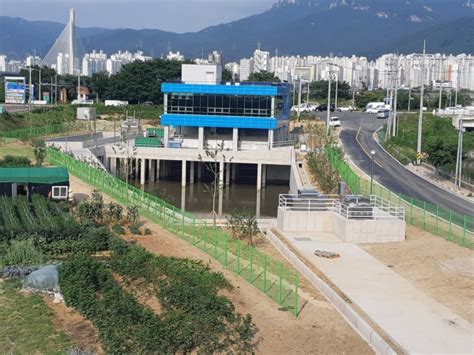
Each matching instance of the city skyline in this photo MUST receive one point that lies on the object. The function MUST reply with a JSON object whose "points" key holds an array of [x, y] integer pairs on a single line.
{"points": [[168, 15]]}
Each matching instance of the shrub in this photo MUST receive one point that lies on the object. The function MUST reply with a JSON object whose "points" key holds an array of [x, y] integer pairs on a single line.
{"points": [[134, 230], [133, 215], [114, 211], [118, 229], [147, 231], [22, 252], [15, 162]]}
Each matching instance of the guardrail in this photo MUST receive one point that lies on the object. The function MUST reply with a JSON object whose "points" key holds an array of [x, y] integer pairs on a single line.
{"points": [[375, 208], [262, 271]]}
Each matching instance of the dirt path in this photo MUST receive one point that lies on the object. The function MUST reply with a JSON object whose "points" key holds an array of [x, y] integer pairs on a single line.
{"points": [[439, 268], [318, 330]]}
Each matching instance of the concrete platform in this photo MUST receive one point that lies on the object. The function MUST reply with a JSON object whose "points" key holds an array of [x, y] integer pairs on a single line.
{"points": [[416, 322]]}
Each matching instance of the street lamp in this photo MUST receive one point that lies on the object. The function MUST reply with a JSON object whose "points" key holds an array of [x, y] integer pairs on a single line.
{"points": [[372, 154]]}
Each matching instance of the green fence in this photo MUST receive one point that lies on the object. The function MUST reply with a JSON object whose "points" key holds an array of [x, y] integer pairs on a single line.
{"points": [[445, 223], [43, 131], [262, 271]]}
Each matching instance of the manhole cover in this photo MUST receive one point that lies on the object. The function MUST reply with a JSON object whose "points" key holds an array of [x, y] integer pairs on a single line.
{"points": [[303, 239]]}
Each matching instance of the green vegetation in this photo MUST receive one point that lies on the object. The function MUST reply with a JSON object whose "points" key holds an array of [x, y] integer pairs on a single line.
{"points": [[27, 324], [263, 77], [439, 140], [319, 90], [193, 317], [243, 225], [11, 161]]}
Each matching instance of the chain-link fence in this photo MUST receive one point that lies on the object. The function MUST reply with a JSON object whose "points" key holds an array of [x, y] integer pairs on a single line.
{"points": [[445, 223], [267, 274], [44, 131]]}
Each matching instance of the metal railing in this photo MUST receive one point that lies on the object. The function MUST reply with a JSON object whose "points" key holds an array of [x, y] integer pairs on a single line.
{"points": [[375, 208]]}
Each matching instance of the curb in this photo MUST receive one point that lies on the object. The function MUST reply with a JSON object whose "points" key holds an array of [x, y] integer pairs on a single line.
{"points": [[344, 308], [422, 177]]}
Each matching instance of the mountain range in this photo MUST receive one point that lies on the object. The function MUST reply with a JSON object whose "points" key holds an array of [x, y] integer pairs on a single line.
{"points": [[291, 27]]}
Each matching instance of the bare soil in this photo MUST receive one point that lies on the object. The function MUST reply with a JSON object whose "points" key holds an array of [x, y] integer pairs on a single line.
{"points": [[319, 329], [441, 269], [78, 327]]}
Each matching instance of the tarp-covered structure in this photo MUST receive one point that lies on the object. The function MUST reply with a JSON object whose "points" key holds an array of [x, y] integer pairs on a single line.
{"points": [[28, 181]]}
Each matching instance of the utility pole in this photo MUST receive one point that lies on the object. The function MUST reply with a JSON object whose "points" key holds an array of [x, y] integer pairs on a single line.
{"points": [[335, 94], [307, 97], [458, 177], [440, 94], [395, 110], [299, 99], [31, 90], [51, 92], [420, 118], [409, 97], [39, 83], [78, 86], [329, 100], [456, 96], [56, 89]]}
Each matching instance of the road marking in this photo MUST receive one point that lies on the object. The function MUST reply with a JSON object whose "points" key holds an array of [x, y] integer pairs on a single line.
{"points": [[365, 151]]}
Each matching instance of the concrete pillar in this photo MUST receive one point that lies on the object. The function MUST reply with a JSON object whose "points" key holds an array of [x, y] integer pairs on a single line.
{"points": [[235, 139], [183, 199], [259, 176], [227, 173], [152, 169], [264, 176], [201, 138], [221, 174], [142, 171], [221, 203], [113, 166], [200, 171], [158, 163], [183, 173], [166, 136], [191, 173], [270, 139], [234, 172], [258, 204]]}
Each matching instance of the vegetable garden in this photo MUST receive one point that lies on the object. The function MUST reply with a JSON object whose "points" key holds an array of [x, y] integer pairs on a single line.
{"points": [[100, 274]]}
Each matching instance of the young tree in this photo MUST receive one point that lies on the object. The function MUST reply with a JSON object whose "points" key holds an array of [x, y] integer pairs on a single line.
{"points": [[214, 161], [39, 151], [243, 226]]}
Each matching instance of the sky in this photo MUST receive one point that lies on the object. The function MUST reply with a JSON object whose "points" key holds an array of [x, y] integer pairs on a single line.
{"points": [[170, 15]]}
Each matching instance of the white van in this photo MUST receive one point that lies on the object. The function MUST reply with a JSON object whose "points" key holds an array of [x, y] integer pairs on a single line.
{"points": [[374, 107]]}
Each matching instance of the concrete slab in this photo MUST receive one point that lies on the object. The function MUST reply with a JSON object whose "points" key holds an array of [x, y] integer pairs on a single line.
{"points": [[418, 323]]}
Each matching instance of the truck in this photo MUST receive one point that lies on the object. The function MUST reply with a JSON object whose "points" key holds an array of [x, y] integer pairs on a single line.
{"points": [[374, 107]]}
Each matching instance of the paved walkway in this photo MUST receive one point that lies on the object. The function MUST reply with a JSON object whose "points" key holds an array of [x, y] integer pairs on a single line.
{"points": [[418, 323]]}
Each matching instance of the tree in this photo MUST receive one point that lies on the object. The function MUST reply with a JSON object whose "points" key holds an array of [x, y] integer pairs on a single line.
{"points": [[214, 162], [319, 90], [365, 97], [263, 77], [141, 81], [227, 75], [39, 150], [243, 225], [441, 152], [99, 84]]}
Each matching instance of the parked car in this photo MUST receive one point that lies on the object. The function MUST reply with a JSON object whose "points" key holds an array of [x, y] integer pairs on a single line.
{"points": [[383, 113], [345, 109], [147, 103], [334, 122], [324, 107]]}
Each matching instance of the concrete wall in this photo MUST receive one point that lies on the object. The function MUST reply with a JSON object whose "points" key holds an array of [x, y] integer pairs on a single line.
{"points": [[201, 74], [350, 231], [293, 221]]}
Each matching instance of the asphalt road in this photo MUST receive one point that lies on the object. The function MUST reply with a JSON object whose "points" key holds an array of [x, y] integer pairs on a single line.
{"points": [[357, 139]]}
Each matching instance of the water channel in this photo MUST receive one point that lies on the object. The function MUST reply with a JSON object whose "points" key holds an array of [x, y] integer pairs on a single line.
{"points": [[196, 199]]}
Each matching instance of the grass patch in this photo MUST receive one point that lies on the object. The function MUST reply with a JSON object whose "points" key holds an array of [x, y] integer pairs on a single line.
{"points": [[26, 324], [17, 149]]}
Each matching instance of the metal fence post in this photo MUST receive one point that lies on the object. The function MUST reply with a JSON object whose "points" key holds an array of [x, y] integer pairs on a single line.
{"points": [[411, 210], [239, 246], [424, 215], [437, 219], [265, 274], [464, 231], [215, 241], [251, 264], [226, 251], [450, 225], [194, 231], [280, 288], [295, 310], [205, 235]]}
